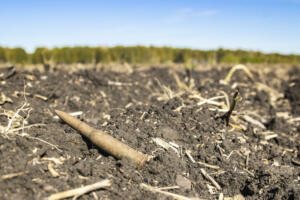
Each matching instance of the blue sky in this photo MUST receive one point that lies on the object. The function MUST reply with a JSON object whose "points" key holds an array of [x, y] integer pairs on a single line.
{"points": [[265, 25]]}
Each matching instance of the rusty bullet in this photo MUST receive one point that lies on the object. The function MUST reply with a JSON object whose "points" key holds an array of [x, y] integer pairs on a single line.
{"points": [[106, 142]]}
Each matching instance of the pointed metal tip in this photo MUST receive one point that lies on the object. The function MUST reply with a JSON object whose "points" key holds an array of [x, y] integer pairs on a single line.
{"points": [[61, 114], [58, 112]]}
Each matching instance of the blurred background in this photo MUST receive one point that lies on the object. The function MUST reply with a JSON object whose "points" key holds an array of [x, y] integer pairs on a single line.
{"points": [[216, 31]]}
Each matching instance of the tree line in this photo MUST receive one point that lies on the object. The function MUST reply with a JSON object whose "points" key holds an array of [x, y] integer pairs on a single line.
{"points": [[139, 55]]}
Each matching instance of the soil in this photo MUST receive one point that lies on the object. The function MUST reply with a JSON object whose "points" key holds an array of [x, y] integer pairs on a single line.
{"points": [[256, 157]]}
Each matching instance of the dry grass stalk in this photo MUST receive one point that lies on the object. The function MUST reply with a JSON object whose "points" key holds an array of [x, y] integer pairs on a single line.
{"points": [[165, 145], [188, 153], [233, 69], [159, 190], [296, 162], [267, 135], [167, 93], [41, 140], [18, 94], [15, 130], [206, 175], [170, 187], [16, 123], [41, 97], [16, 118], [237, 127], [254, 121], [212, 101], [195, 94], [95, 196], [182, 85], [57, 161], [105, 141], [4, 99], [297, 119], [208, 165], [115, 83], [250, 173], [221, 196], [12, 175], [272, 136], [79, 191], [52, 170], [226, 99]]}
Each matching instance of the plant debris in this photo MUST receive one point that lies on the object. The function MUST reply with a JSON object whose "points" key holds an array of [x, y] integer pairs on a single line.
{"points": [[155, 111]]}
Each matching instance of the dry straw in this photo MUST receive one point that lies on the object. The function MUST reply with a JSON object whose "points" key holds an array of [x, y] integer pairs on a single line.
{"points": [[79, 191]]}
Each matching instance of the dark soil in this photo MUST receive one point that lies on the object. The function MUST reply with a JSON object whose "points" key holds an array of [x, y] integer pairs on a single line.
{"points": [[293, 91], [256, 161]]}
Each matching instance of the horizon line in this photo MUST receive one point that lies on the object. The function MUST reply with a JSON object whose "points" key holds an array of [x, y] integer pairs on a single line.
{"points": [[31, 51]]}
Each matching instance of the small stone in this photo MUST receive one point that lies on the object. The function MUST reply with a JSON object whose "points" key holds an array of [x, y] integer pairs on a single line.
{"points": [[183, 182], [49, 188], [238, 197], [168, 133]]}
